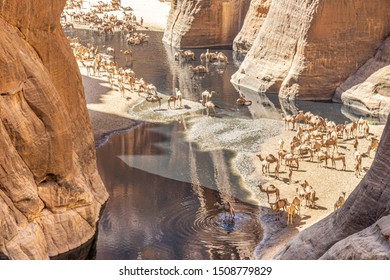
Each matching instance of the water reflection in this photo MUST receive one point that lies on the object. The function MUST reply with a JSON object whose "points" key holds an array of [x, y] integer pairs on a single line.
{"points": [[150, 216]]}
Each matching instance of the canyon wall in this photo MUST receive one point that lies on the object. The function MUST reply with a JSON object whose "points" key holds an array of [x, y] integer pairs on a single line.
{"points": [[204, 23], [50, 191], [254, 19], [307, 48], [368, 89]]}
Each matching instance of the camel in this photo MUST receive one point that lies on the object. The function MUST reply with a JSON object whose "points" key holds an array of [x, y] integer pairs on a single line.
{"points": [[128, 54], [295, 205], [199, 69], [281, 144], [228, 209], [355, 143], [264, 164], [307, 193], [187, 55], [206, 95], [299, 117], [277, 167], [270, 190], [358, 163], [89, 65], [269, 159], [173, 99], [154, 99], [351, 129], [338, 157], [179, 96], [360, 124], [111, 51], [221, 57], [366, 129], [290, 158], [280, 204], [323, 156], [242, 101], [330, 142], [373, 146], [290, 176], [340, 201], [287, 120], [209, 106]]}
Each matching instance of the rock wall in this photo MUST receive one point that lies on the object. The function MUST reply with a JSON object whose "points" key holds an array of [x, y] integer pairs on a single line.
{"points": [[360, 229], [204, 23], [50, 191], [254, 19], [307, 48], [368, 90]]}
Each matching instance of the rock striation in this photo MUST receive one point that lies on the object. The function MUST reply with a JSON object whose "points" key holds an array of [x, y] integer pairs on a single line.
{"points": [[50, 191], [307, 48], [204, 23], [254, 19], [368, 90]]}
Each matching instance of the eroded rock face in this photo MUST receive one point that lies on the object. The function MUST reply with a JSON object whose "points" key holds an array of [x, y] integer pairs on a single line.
{"points": [[204, 23], [307, 48], [254, 19], [368, 90], [50, 191]]}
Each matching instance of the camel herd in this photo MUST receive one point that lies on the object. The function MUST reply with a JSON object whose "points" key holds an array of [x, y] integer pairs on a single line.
{"points": [[98, 19], [314, 137]]}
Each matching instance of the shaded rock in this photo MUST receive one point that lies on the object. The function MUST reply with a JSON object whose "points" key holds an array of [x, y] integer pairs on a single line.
{"points": [[368, 90], [45, 133], [306, 49], [202, 23]]}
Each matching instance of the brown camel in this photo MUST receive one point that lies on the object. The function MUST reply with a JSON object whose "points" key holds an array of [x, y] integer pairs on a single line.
{"points": [[208, 105], [154, 99], [338, 157], [242, 101], [173, 99], [295, 205], [340, 201], [270, 190]]}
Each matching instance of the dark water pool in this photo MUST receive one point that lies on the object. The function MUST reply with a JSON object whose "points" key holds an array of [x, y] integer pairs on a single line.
{"points": [[163, 190]]}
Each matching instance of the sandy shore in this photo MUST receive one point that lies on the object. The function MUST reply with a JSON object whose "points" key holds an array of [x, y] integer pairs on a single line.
{"points": [[326, 181]]}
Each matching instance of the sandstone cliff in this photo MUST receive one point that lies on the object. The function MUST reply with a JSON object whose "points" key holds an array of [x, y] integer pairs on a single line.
{"points": [[360, 228], [368, 90], [307, 48], [254, 19], [50, 191], [204, 23]]}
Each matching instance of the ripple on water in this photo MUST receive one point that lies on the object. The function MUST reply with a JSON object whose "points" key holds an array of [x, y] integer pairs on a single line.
{"points": [[212, 229]]}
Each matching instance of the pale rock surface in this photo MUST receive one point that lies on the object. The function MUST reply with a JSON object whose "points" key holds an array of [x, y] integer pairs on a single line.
{"points": [[203, 23], [307, 48], [254, 19], [48, 172], [368, 90]]}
